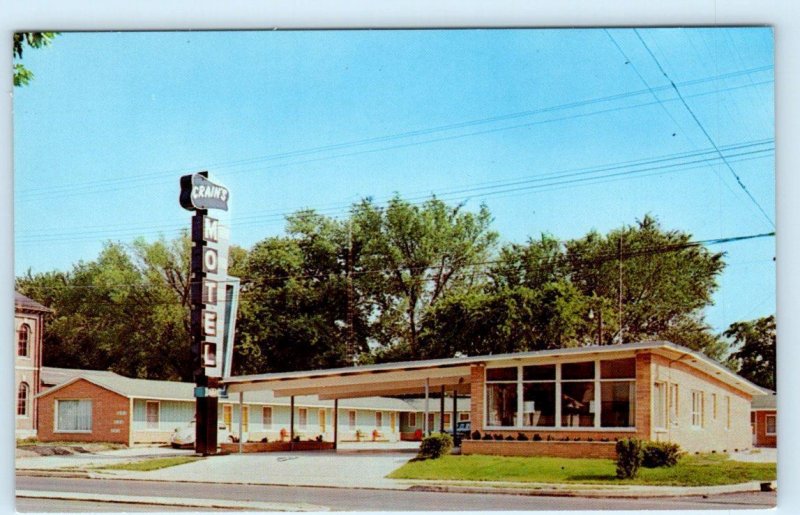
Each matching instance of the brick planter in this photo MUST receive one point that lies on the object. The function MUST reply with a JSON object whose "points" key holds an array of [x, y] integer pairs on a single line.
{"points": [[277, 446], [542, 448]]}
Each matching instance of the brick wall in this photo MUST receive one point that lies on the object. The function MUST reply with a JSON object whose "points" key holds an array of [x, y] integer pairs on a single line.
{"points": [[555, 449], [27, 369], [762, 438], [110, 414], [476, 397], [644, 388]]}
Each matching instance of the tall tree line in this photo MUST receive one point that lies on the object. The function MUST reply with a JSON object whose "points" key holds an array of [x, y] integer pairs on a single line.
{"points": [[394, 282]]}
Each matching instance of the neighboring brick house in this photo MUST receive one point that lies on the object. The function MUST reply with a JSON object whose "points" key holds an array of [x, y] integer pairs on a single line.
{"points": [[764, 420], [88, 405], [28, 325]]}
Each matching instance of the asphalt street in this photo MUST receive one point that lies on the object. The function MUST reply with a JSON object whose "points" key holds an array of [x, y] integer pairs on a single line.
{"points": [[351, 499]]}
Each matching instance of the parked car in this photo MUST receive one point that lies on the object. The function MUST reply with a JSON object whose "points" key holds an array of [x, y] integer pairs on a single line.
{"points": [[462, 431], [183, 437]]}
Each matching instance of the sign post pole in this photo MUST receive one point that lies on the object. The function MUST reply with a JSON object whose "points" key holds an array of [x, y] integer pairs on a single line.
{"points": [[210, 303]]}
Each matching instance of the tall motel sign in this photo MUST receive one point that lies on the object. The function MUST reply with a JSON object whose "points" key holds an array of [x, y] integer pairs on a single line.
{"points": [[214, 298]]}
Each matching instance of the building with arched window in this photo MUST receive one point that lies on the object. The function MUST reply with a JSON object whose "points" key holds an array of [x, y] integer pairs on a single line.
{"points": [[28, 323]]}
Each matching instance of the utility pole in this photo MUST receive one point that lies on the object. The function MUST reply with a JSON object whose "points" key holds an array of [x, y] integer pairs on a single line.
{"points": [[351, 347], [619, 259]]}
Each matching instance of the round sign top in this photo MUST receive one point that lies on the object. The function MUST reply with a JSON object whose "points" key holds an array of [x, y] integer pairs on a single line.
{"points": [[197, 192]]}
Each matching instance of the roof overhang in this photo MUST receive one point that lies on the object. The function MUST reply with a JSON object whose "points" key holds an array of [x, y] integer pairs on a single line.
{"points": [[411, 377]]}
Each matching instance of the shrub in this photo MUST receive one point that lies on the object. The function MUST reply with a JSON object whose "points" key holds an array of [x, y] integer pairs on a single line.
{"points": [[435, 446], [509, 437], [549, 437], [629, 457], [537, 438], [660, 454], [498, 437], [476, 435], [264, 440], [522, 437], [318, 438], [487, 436]]}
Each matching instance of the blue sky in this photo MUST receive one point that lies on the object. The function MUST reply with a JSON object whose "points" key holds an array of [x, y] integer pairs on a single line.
{"points": [[558, 131]]}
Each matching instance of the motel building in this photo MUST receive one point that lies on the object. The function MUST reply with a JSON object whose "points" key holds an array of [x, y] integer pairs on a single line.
{"points": [[564, 402]]}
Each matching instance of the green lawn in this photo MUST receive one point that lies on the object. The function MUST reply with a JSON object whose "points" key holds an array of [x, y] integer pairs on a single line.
{"points": [[691, 470], [151, 464]]}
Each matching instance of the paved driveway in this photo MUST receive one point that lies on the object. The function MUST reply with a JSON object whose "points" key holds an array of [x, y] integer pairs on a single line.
{"points": [[362, 469]]}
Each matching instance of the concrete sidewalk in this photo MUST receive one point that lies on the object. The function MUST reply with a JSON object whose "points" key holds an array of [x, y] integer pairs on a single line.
{"points": [[355, 468]]}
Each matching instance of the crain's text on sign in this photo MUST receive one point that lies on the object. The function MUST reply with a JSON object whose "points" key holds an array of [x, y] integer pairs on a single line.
{"points": [[197, 192]]}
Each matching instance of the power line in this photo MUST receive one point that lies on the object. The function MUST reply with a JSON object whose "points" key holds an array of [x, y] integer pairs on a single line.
{"points": [[76, 188], [574, 259], [702, 128], [521, 184]]}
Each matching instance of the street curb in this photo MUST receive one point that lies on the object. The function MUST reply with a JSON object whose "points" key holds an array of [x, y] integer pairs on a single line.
{"points": [[753, 486], [74, 474], [172, 501]]}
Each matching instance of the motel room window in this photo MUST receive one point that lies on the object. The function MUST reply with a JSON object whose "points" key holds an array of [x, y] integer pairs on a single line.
{"points": [[152, 414], [22, 340], [618, 393], [302, 417], [447, 419], [74, 415], [266, 417], [22, 399], [351, 419], [412, 420], [322, 420], [245, 419], [539, 395], [577, 394], [227, 416], [673, 404], [463, 417], [431, 420], [501, 396], [697, 408], [770, 421], [378, 419], [393, 421]]}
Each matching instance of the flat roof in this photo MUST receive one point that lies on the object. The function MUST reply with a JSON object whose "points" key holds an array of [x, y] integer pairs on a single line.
{"points": [[411, 377]]}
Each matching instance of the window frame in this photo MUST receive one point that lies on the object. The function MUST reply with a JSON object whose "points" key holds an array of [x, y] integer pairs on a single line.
{"points": [[57, 410], [147, 423], [23, 399], [24, 329], [660, 405], [264, 424], [774, 425], [559, 381]]}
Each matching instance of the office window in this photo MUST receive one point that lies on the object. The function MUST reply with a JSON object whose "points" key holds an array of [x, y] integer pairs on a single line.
{"points": [[501, 397], [152, 414], [539, 396], [74, 415], [351, 418], [22, 399], [771, 425], [698, 408], [659, 405], [673, 404], [266, 417], [22, 340]]}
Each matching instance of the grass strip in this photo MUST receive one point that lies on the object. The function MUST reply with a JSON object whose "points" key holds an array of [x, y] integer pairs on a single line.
{"points": [[691, 470], [151, 464]]}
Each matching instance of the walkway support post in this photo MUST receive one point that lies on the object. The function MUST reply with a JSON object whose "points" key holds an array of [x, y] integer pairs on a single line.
{"points": [[455, 412], [335, 424], [425, 427], [441, 410], [241, 421], [291, 423]]}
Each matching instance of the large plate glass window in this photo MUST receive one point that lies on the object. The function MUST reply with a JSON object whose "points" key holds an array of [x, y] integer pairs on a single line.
{"points": [[501, 396], [539, 396], [577, 394], [618, 394]]}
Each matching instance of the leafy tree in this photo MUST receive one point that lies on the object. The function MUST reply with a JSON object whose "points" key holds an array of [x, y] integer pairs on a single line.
{"points": [[22, 75], [413, 256], [755, 342]]}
